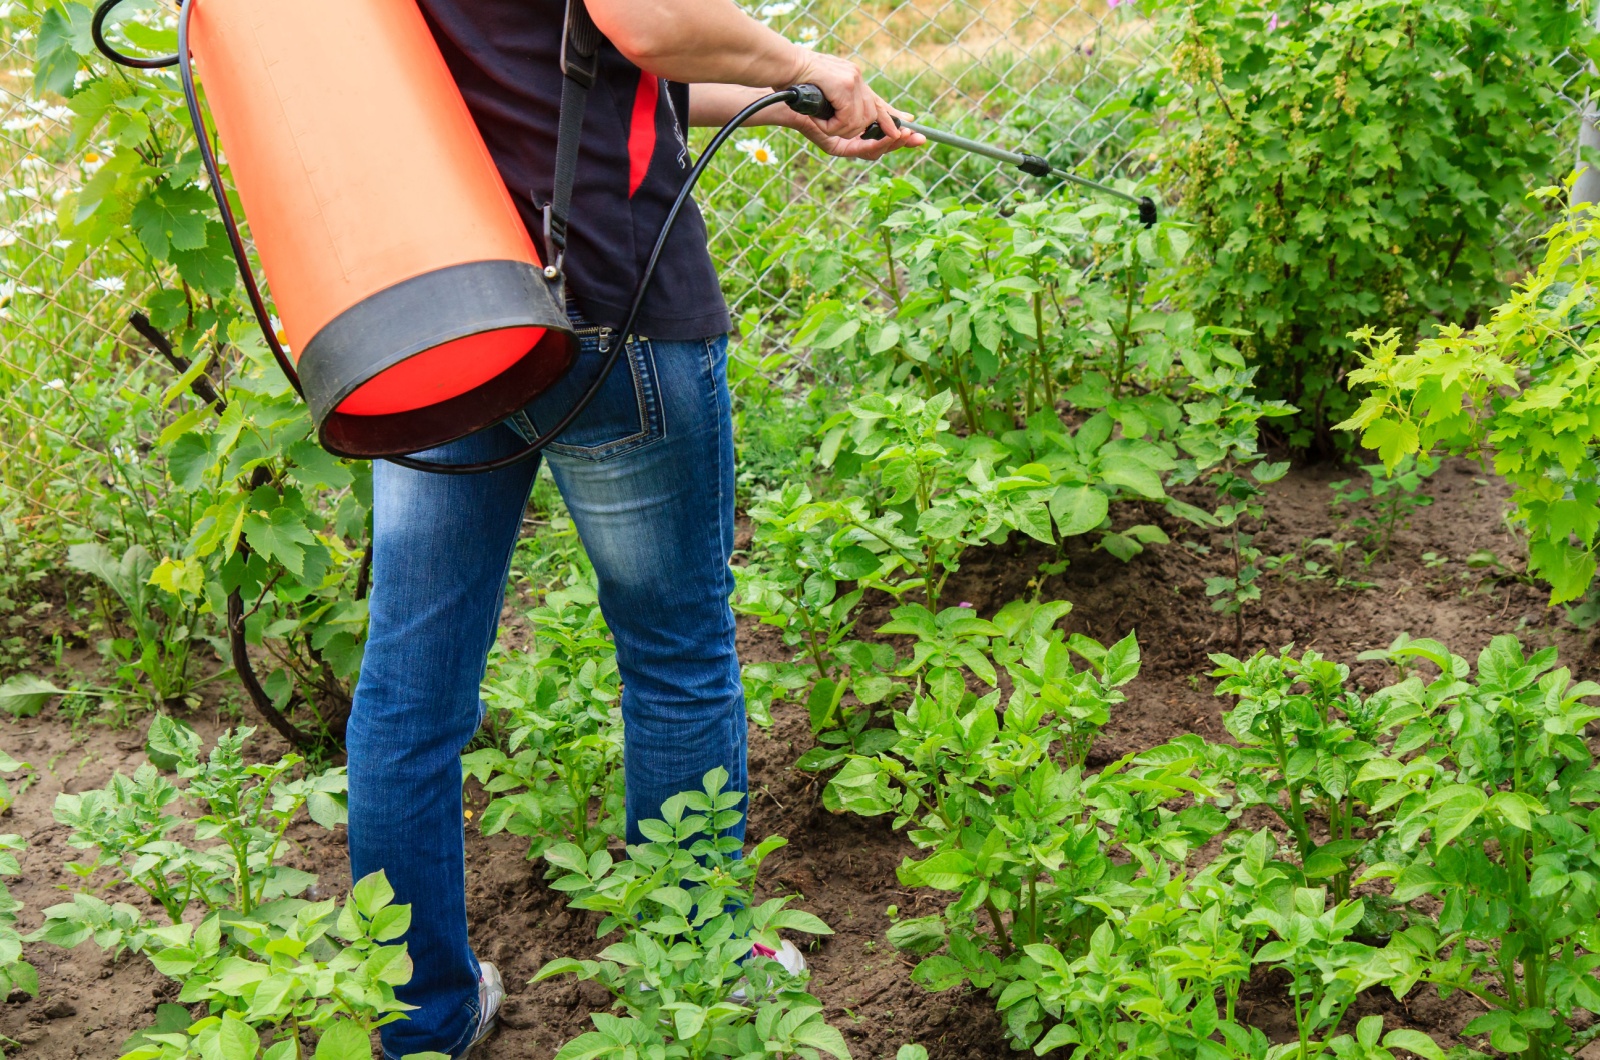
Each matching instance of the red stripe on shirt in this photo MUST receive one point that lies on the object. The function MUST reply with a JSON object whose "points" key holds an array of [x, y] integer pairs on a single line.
{"points": [[642, 130]]}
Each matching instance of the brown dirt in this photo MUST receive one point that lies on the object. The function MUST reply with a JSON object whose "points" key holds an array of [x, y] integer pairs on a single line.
{"points": [[843, 866]]}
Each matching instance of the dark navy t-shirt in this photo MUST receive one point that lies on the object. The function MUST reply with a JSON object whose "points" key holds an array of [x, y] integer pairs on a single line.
{"points": [[505, 55]]}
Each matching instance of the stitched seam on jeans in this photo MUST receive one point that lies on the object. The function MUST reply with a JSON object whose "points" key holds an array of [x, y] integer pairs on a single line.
{"points": [[465, 1041], [713, 397]]}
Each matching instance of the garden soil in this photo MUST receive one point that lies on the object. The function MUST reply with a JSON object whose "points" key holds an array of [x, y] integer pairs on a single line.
{"points": [[842, 867]]}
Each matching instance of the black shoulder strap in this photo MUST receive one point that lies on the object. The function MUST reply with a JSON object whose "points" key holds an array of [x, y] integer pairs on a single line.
{"points": [[580, 48]]}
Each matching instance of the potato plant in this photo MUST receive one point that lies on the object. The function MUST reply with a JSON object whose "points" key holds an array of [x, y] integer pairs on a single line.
{"points": [[15, 973], [295, 972], [131, 835], [684, 971], [555, 768], [1023, 843], [1499, 826]]}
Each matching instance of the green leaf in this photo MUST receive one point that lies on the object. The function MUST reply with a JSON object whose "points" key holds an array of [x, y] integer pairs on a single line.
{"points": [[1078, 509], [371, 893], [237, 1040], [1393, 439], [1510, 806], [170, 218], [25, 695], [282, 536], [819, 1034], [942, 522], [344, 1040], [1119, 469], [1456, 814], [1121, 662], [938, 973], [1414, 1042], [56, 56], [799, 920]]}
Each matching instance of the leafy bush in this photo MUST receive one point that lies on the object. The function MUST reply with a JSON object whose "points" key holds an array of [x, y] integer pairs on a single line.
{"points": [[1519, 388], [253, 523], [1356, 162]]}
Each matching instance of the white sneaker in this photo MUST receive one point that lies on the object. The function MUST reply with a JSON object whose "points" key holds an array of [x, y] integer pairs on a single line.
{"points": [[787, 954], [491, 995]]}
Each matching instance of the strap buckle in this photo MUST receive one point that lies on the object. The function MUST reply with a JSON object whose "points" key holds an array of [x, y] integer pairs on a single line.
{"points": [[580, 45], [555, 242]]}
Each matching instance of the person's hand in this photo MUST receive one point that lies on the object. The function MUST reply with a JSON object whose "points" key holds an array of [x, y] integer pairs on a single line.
{"points": [[855, 105], [855, 147]]}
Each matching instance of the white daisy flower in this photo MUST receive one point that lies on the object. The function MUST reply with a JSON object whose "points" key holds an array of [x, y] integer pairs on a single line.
{"points": [[757, 150], [109, 284]]}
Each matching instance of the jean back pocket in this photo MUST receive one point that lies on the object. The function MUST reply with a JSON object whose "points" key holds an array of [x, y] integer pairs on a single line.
{"points": [[624, 416]]}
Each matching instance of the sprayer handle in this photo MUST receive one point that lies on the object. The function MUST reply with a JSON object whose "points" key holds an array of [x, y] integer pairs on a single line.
{"points": [[809, 100]]}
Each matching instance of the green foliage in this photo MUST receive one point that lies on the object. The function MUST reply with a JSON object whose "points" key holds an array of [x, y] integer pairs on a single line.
{"points": [[253, 524], [1496, 820], [1350, 163], [1221, 435], [15, 973], [157, 658], [1518, 386], [683, 971], [1011, 309], [1393, 496], [129, 828], [1303, 739], [1311, 942], [293, 969], [558, 725], [1038, 855]]}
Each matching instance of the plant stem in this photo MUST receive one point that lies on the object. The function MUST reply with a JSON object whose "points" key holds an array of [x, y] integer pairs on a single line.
{"points": [[999, 927], [894, 272], [1238, 602], [1123, 338], [1301, 832]]}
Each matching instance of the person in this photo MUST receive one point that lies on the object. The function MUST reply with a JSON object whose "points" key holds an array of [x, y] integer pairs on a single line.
{"points": [[646, 471]]}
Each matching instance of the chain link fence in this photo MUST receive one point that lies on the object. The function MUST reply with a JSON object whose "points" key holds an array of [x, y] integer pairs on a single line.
{"points": [[1050, 76]]}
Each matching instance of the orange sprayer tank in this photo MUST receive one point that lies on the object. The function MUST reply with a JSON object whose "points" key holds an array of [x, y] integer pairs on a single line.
{"points": [[410, 292]]}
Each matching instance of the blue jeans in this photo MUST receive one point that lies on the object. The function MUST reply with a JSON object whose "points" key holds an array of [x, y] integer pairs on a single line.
{"points": [[647, 473]]}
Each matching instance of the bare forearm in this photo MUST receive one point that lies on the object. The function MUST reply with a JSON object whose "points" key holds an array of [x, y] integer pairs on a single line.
{"points": [[713, 105], [699, 41]]}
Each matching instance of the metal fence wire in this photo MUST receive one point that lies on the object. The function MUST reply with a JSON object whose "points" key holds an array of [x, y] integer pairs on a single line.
{"points": [[1036, 73]]}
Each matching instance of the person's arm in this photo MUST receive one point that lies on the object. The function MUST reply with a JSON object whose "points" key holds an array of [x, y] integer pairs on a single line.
{"points": [[714, 42]]}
